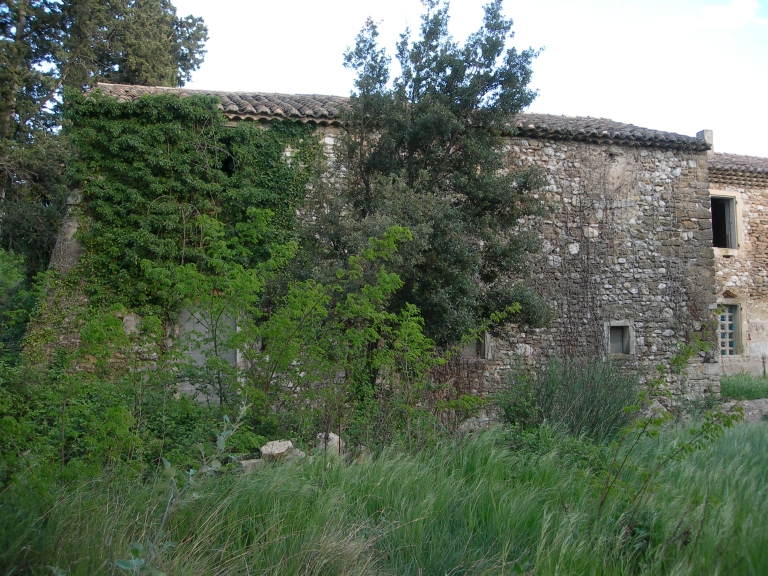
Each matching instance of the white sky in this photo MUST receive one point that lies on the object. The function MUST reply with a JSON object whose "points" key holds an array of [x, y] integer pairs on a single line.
{"points": [[674, 65]]}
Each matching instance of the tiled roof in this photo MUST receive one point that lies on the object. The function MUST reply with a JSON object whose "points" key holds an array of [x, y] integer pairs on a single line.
{"points": [[587, 129], [248, 105], [738, 163], [325, 110], [738, 170]]}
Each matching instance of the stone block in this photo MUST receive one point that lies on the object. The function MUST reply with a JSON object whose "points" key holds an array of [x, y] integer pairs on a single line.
{"points": [[275, 450], [330, 443], [251, 465]]}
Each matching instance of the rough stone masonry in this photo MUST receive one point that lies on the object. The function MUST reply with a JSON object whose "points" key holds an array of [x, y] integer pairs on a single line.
{"points": [[629, 258], [626, 257]]}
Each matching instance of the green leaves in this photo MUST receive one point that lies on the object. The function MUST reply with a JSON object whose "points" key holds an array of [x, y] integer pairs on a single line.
{"points": [[427, 153], [132, 564], [47, 47], [167, 186], [141, 555]]}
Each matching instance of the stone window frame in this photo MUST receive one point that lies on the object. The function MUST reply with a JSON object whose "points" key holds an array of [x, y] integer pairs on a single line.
{"points": [[738, 221], [479, 349], [741, 328], [630, 326]]}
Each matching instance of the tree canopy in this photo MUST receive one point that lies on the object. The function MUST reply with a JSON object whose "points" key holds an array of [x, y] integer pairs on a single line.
{"points": [[47, 46], [427, 151]]}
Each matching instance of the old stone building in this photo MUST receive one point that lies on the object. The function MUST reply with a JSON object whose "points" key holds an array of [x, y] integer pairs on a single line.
{"points": [[738, 186], [654, 249], [626, 259]]}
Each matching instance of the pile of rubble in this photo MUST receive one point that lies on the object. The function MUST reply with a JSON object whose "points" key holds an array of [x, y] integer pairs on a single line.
{"points": [[328, 444]]}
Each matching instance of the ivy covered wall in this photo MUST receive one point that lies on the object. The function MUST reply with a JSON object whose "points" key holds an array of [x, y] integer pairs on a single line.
{"points": [[151, 168]]}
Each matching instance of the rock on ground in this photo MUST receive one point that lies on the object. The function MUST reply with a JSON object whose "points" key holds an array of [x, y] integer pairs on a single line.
{"points": [[251, 465], [276, 449], [330, 443]]}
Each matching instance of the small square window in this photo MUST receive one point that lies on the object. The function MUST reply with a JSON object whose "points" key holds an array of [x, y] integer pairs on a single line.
{"points": [[619, 340], [480, 349], [724, 222], [730, 331]]}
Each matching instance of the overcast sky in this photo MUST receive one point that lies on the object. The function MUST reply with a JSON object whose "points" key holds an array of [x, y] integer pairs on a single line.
{"points": [[674, 65]]}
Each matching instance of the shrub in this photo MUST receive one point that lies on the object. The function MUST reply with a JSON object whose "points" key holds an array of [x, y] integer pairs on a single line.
{"points": [[586, 396]]}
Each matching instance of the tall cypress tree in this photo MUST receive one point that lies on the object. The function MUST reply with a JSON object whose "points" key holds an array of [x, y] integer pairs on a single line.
{"points": [[147, 44]]}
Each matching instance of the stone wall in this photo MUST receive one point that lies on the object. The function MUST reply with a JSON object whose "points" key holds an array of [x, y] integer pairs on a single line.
{"points": [[626, 243], [741, 274]]}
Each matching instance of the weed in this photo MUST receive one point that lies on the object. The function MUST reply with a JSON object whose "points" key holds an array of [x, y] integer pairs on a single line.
{"points": [[744, 386], [586, 396], [471, 507]]}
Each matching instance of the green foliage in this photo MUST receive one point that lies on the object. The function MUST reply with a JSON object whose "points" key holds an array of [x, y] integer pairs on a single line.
{"points": [[16, 303], [11, 274], [517, 400], [585, 396], [149, 45], [474, 507], [630, 514], [179, 490], [743, 386], [47, 46], [324, 352], [679, 361], [111, 402], [33, 197], [186, 216], [163, 176], [427, 152]]}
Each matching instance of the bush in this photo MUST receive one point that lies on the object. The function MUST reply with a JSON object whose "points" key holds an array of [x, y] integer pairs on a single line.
{"points": [[744, 386], [586, 396]]}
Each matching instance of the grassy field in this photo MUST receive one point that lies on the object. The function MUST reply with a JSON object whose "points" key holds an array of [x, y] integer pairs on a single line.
{"points": [[497, 504], [743, 387]]}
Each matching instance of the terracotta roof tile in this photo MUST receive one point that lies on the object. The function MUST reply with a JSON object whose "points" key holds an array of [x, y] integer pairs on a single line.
{"points": [[589, 129], [325, 110], [738, 163], [247, 105], [738, 170]]}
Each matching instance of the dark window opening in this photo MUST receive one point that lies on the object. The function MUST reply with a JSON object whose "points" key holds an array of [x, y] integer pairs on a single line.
{"points": [[723, 223], [619, 339]]}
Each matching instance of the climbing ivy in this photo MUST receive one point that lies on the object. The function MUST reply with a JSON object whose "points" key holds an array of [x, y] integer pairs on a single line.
{"points": [[151, 168]]}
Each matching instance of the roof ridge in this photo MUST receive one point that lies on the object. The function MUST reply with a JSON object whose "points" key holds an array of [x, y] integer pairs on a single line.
{"points": [[732, 155], [325, 109], [727, 166]]}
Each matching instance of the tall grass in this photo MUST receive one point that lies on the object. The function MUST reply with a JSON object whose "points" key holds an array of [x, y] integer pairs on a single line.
{"points": [[743, 387], [476, 507], [586, 396]]}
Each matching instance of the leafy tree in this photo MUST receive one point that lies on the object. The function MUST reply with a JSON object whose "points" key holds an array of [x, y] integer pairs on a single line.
{"points": [[146, 43], [49, 45], [16, 304], [45, 47], [427, 151]]}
